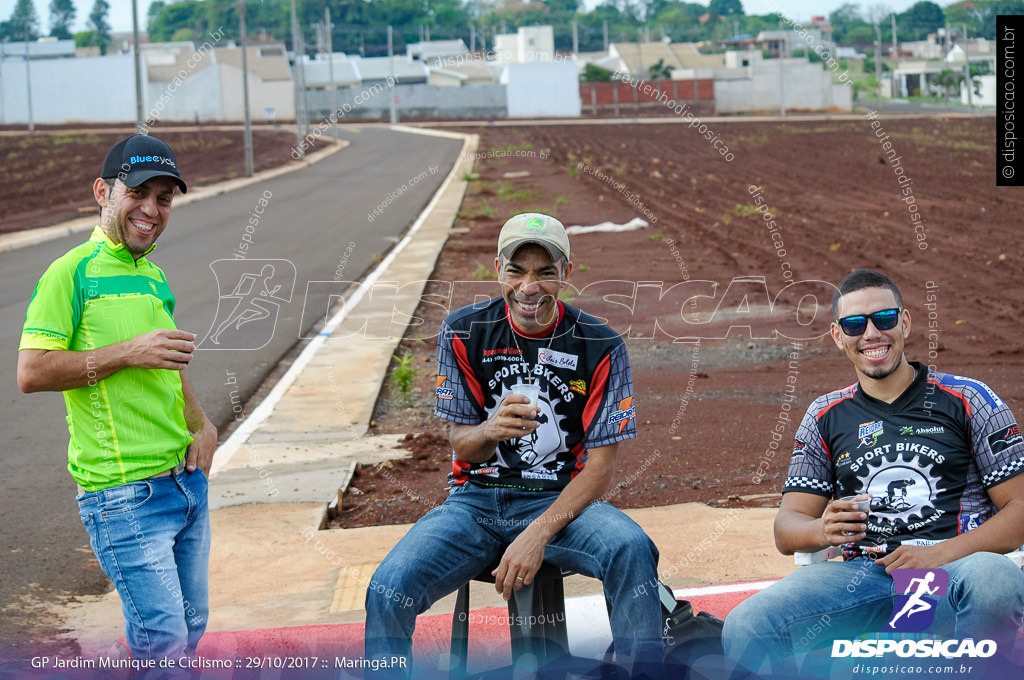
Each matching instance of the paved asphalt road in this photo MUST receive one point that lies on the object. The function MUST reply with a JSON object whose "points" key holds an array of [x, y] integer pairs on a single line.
{"points": [[311, 217]]}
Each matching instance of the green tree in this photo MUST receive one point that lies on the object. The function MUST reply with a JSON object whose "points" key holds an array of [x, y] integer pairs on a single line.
{"points": [[23, 18], [176, 16], [681, 21], [595, 74], [990, 11], [846, 20], [62, 15], [155, 8], [948, 80], [860, 35], [98, 22], [661, 70], [919, 20], [86, 39], [725, 8]]}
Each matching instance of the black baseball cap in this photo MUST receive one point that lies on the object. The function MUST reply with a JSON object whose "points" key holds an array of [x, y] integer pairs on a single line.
{"points": [[140, 157]]}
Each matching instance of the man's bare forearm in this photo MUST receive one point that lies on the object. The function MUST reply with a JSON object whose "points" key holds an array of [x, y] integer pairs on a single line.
{"points": [[795, 531], [588, 486], [470, 442], [42, 370], [58, 370]]}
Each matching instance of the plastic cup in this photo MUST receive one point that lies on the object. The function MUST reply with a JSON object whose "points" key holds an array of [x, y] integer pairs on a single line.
{"points": [[862, 506], [529, 390]]}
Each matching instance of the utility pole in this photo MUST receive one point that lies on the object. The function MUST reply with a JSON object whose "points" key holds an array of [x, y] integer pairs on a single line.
{"points": [[28, 84], [895, 45], [782, 76], [575, 38], [329, 31], [640, 52], [967, 75], [472, 38], [140, 123], [605, 35], [391, 72], [245, 89], [295, 53], [878, 62]]}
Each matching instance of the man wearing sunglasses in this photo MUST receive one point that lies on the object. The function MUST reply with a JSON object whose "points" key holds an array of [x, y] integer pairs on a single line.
{"points": [[940, 458]]}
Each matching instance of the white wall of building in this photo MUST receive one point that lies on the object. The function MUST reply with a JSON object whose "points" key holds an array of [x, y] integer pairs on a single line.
{"points": [[536, 43], [195, 96], [805, 85], [264, 96], [984, 93], [88, 89], [542, 89], [506, 47]]}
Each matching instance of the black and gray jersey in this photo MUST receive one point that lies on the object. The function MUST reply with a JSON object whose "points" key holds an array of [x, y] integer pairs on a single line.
{"points": [[927, 459], [586, 391]]}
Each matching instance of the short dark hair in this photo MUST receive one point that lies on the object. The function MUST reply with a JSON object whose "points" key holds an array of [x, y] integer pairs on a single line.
{"points": [[861, 279]]}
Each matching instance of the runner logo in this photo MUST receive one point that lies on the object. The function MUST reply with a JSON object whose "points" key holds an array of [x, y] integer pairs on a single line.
{"points": [[868, 433], [913, 611], [251, 293], [917, 595]]}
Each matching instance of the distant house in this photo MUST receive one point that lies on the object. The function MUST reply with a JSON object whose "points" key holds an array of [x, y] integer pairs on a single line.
{"points": [[378, 69], [271, 88], [316, 73], [44, 48], [683, 58], [436, 50], [528, 44]]}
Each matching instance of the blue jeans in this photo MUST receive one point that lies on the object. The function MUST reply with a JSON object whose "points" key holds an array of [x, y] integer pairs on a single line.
{"points": [[458, 539], [827, 601], [152, 539]]}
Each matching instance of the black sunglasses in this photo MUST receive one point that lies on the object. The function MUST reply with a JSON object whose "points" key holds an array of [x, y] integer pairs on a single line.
{"points": [[884, 320]]}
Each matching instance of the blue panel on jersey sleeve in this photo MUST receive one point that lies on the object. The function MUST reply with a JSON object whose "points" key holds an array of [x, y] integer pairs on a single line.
{"points": [[981, 388]]}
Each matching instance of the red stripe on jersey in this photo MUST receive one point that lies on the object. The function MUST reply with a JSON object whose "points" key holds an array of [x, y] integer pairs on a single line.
{"points": [[828, 451], [853, 391], [460, 471], [958, 395], [597, 387], [578, 452], [462, 357], [533, 336], [822, 412], [959, 513]]}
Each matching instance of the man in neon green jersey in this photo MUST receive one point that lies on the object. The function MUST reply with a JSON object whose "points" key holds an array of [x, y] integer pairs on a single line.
{"points": [[100, 328]]}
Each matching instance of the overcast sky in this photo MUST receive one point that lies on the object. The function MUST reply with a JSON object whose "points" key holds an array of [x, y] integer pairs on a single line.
{"points": [[121, 10]]}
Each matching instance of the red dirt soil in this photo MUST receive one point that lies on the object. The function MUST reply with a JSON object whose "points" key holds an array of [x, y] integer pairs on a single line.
{"points": [[839, 206], [48, 176]]}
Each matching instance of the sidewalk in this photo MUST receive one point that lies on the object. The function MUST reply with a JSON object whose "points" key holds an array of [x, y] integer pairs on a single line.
{"points": [[279, 585]]}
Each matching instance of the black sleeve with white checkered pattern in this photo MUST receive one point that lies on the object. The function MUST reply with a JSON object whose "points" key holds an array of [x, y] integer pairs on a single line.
{"points": [[994, 426]]}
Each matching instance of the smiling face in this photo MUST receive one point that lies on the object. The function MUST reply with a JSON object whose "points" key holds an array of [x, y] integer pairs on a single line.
{"points": [[530, 284], [875, 354], [135, 216]]}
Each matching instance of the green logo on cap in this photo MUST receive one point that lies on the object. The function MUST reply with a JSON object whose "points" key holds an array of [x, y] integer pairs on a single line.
{"points": [[535, 224]]}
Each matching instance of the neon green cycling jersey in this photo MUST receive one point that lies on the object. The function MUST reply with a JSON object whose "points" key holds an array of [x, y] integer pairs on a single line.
{"points": [[130, 425]]}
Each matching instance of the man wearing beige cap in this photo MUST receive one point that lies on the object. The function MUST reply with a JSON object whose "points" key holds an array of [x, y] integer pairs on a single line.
{"points": [[526, 470]]}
